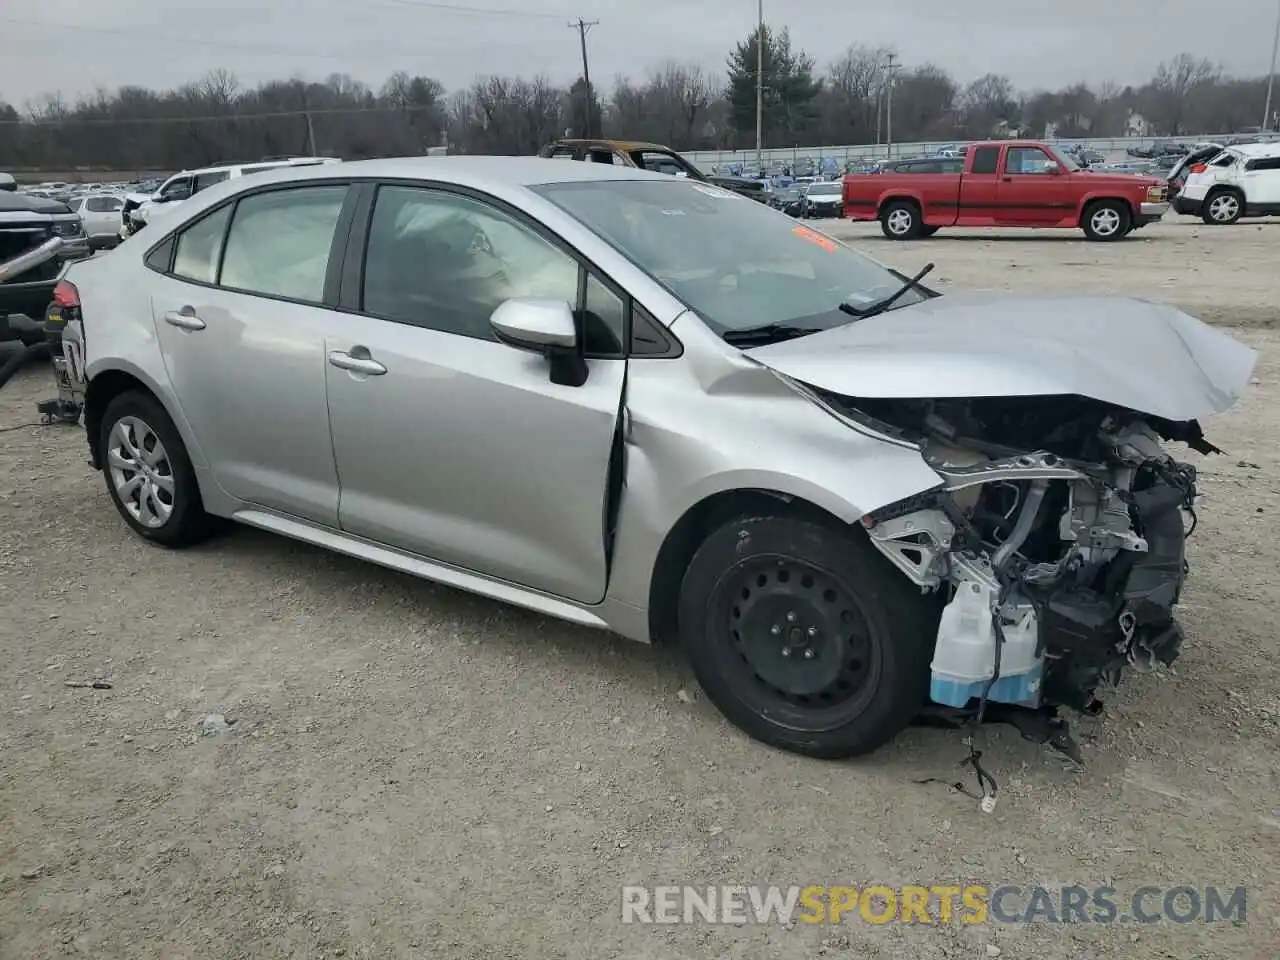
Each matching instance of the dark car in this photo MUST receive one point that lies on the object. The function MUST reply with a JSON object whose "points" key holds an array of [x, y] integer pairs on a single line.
{"points": [[788, 199], [37, 236]]}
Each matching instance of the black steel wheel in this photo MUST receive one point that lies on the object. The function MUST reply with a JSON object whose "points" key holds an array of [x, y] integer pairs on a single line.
{"points": [[804, 636]]}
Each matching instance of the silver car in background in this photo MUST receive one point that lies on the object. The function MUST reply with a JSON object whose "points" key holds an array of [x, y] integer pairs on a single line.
{"points": [[646, 404]]}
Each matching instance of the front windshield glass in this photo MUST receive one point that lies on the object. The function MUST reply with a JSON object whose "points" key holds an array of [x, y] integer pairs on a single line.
{"points": [[737, 263], [1067, 161]]}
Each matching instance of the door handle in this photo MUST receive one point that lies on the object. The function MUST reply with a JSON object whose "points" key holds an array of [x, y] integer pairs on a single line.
{"points": [[1008, 179], [184, 319], [366, 365]]}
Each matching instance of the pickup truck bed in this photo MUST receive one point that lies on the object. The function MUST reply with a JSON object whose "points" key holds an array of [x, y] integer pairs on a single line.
{"points": [[1005, 184]]}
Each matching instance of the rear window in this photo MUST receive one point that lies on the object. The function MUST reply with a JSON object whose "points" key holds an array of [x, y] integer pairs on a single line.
{"points": [[986, 159]]}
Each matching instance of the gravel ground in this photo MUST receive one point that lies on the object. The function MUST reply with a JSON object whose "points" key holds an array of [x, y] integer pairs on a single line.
{"points": [[412, 772]]}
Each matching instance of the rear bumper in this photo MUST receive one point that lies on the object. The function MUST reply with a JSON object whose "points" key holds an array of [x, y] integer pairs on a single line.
{"points": [[1186, 206]]}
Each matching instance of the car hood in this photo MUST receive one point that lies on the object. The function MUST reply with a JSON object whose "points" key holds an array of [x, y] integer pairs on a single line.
{"points": [[1143, 356], [22, 203]]}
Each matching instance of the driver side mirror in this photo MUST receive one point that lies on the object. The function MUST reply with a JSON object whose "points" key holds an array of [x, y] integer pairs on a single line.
{"points": [[547, 327], [1053, 169]]}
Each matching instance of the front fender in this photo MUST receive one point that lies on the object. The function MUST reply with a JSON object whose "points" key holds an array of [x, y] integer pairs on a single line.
{"points": [[746, 430]]}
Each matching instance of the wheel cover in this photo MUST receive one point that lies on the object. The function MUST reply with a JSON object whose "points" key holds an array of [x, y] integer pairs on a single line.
{"points": [[1105, 221], [800, 647], [1224, 206], [900, 222], [141, 472]]}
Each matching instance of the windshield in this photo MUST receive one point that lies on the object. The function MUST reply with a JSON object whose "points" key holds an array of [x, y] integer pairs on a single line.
{"points": [[1067, 161], [824, 189], [735, 262]]}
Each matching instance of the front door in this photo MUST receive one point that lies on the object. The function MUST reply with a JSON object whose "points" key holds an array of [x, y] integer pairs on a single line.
{"points": [[1030, 194], [449, 444], [244, 345]]}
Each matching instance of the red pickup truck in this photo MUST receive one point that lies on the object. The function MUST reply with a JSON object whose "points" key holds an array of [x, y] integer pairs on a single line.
{"points": [[1010, 183]]}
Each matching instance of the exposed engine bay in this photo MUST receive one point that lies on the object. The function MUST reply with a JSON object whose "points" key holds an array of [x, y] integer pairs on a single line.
{"points": [[1059, 567]]}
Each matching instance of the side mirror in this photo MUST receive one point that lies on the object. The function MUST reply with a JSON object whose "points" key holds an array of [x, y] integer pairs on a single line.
{"points": [[546, 327], [1053, 170], [682, 173]]}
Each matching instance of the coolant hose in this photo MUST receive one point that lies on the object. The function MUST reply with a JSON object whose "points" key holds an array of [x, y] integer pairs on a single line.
{"points": [[1022, 528]]}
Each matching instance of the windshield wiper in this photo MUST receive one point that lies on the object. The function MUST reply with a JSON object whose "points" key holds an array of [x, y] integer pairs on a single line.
{"points": [[765, 334], [880, 306]]}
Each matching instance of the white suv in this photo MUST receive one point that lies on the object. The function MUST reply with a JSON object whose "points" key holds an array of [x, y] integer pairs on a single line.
{"points": [[1241, 181], [139, 208]]}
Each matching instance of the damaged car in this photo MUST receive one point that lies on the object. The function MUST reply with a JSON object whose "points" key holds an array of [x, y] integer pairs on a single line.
{"points": [[648, 405], [37, 237]]}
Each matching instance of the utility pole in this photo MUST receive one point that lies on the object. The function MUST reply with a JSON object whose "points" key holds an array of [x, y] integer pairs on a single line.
{"points": [[890, 67], [760, 87], [1271, 77], [582, 26]]}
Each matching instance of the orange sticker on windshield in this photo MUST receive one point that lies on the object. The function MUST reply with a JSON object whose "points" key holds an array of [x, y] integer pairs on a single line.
{"points": [[813, 236]]}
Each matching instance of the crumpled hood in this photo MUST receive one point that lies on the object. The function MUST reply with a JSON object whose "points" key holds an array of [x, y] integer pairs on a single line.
{"points": [[1144, 356]]}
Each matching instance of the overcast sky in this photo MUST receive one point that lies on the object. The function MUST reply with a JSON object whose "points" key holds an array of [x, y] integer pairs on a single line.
{"points": [[77, 45]]}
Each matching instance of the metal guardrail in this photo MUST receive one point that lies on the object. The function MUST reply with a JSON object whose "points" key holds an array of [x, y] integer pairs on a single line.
{"points": [[1105, 145]]}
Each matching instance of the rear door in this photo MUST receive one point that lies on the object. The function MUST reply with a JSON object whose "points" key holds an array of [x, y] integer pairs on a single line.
{"points": [[1261, 184], [979, 188], [1030, 194], [450, 444], [241, 319]]}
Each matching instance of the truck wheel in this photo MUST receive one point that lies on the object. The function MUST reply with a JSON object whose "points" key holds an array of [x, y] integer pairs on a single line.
{"points": [[804, 636], [900, 220], [1106, 220], [1223, 207]]}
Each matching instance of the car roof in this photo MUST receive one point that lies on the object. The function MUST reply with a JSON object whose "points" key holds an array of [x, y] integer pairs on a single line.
{"points": [[467, 170], [624, 145], [1254, 150]]}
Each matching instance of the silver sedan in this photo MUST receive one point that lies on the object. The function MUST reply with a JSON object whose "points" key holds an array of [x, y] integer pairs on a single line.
{"points": [[649, 405]]}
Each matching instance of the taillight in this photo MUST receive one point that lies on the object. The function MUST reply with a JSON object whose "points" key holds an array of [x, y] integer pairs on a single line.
{"points": [[65, 294], [1199, 167]]}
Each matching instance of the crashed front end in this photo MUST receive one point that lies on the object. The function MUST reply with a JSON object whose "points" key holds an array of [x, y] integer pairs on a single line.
{"points": [[1057, 538]]}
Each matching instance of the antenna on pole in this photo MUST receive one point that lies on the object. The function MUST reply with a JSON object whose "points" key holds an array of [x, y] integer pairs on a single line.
{"points": [[582, 26]]}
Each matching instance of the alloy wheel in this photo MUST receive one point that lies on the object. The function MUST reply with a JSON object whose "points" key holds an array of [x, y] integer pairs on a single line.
{"points": [[1224, 207], [141, 472]]}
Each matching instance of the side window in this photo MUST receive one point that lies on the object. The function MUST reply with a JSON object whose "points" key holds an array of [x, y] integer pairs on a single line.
{"points": [[178, 189], [102, 204], [200, 247], [563, 153], [445, 262], [985, 160], [279, 242], [204, 180], [604, 319], [1026, 160], [1264, 163]]}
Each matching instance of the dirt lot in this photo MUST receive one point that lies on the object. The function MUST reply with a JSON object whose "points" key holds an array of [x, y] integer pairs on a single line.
{"points": [[415, 772]]}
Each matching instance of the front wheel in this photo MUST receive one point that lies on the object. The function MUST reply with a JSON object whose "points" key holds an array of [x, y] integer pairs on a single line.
{"points": [[1107, 220], [804, 636]]}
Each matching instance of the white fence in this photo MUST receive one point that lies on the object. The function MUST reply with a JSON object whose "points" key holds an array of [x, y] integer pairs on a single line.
{"points": [[1108, 146]]}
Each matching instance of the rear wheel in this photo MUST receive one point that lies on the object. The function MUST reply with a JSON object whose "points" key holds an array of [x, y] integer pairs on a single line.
{"points": [[1223, 207], [804, 636], [900, 220], [1106, 220], [148, 472]]}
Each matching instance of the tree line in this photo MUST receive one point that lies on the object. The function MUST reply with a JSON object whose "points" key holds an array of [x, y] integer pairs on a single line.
{"points": [[852, 101]]}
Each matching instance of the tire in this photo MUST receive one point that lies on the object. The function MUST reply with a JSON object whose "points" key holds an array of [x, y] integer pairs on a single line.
{"points": [[1223, 207], [162, 504], [859, 635], [900, 220], [1106, 221]]}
